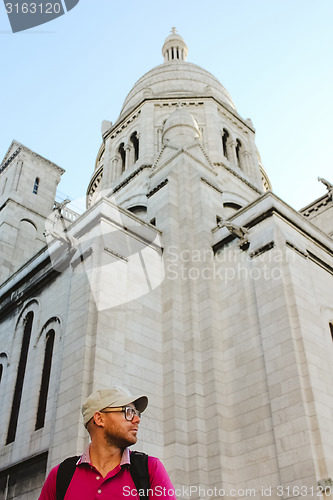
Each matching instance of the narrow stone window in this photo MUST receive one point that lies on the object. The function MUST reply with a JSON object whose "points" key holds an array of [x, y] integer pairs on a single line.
{"points": [[135, 141], [36, 186], [20, 378], [122, 153], [3, 362], [44, 387], [331, 329], [218, 220], [153, 222], [238, 148], [225, 137]]}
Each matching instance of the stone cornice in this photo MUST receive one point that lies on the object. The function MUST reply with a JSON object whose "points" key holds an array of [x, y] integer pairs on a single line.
{"points": [[316, 205], [128, 179], [32, 153], [186, 99], [120, 125], [211, 185], [270, 205], [157, 188], [248, 183], [5, 164]]}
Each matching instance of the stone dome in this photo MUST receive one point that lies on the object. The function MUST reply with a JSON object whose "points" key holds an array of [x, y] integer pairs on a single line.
{"points": [[176, 78], [180, 128]]}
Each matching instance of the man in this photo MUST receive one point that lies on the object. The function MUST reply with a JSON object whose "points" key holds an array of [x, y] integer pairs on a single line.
{"points": [[112, 419]]}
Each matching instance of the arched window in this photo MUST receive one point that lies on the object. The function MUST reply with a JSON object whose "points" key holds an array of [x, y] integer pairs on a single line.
{"points": [[44, 387], [135, 141], [225, 137], [122, 152], [139, 210], [36, 186], [238, 148], [331, 329], [20, 378], [231, 204], [3, 362]]}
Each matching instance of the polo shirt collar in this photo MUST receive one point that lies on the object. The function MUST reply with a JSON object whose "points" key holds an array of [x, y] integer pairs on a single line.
{"points": [[85, 457]]}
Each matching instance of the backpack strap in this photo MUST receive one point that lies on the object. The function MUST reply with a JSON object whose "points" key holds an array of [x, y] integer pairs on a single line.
{"points": [[140, 473], [64, 476]]}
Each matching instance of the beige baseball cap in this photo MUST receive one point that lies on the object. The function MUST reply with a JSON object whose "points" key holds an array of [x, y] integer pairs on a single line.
{"points": [[111, 398]]}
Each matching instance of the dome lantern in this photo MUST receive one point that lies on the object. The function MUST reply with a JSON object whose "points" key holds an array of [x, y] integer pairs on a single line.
{"points": [[174, 48]]}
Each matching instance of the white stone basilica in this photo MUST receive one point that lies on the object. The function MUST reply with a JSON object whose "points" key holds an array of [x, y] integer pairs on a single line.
{"points": [[185, 279]]}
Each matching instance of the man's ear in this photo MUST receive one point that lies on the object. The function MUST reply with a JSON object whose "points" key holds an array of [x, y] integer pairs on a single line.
{"points": [[98, 419]]}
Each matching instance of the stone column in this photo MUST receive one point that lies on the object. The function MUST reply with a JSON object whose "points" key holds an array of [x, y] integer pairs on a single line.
{"points": [[246, 162], [107, 167], [115, 167], [231, 149], [159, 139], [128, 157]]}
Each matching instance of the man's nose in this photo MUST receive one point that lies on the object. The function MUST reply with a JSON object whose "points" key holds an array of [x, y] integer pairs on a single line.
{"points": [[136, 419]]}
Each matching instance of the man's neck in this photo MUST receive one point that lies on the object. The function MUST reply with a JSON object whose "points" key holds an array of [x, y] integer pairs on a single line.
{"points": [[105, 459]]}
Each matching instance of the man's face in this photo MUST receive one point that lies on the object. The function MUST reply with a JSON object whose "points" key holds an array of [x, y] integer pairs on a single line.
{"points": [[118, 431]]}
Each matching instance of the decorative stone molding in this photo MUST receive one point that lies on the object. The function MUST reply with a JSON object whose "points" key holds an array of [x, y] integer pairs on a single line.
{"points": [[238, 177], [122, 126], [211, 185], [129, 178], [157, 188], [35, 155], [296, 249], [261, 250], [175, 104], [156, 169], [115, 254], [316, 205], [10, 159]]}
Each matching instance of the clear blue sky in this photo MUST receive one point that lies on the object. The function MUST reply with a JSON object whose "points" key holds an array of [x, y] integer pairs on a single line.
{"points": [[60, 80]]}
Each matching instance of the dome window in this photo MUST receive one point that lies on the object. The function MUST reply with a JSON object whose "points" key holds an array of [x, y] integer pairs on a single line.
{"points": [[122, 152], [135, 141], [225, 137], [238, 148]]}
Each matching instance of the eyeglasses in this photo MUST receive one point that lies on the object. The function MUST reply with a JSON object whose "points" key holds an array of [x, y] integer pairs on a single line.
{"points": [[128, 410]]}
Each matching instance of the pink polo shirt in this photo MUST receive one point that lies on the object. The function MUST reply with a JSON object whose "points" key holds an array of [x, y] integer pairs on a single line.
{"points": [[88, 484]]}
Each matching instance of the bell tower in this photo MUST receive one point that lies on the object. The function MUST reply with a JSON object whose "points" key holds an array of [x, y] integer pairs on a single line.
{"points": [[28, 185]]}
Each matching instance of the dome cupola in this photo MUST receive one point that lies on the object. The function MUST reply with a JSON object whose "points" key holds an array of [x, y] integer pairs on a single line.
{"points": [[180, 129], [174, 48]]}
